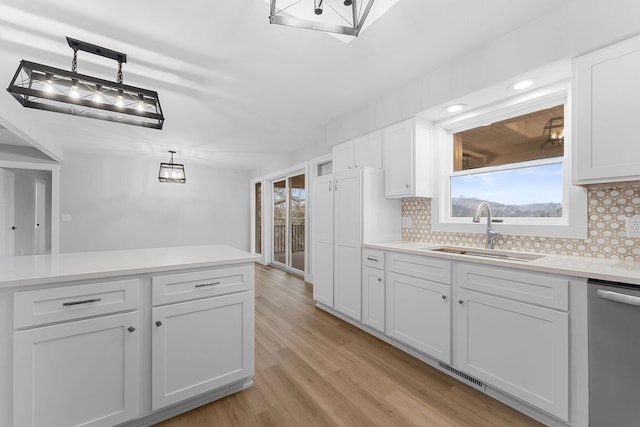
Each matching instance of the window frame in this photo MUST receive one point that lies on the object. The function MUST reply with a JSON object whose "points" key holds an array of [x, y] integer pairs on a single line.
{"points": [[573, 223]]}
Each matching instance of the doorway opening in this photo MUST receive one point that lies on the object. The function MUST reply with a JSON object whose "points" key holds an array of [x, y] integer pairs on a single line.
{"points": [[288, 236]]}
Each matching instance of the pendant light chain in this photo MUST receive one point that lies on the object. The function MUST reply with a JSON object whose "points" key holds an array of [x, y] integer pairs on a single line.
{"points": [[74, 61], [119, 75]]}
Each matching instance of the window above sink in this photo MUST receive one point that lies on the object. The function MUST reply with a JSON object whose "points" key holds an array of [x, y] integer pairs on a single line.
{"points": [[515, 155]]}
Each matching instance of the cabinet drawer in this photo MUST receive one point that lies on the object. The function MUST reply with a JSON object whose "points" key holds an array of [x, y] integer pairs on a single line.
{"points": [[373, 258], [422, 267], [535, 288], [73, 302], [201, 284]]}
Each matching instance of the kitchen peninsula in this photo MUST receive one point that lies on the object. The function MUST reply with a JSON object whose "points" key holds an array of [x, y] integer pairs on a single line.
{"points": [[126, 337]]}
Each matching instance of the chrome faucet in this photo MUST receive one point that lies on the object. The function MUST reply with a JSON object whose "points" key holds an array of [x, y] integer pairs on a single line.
{"points": [[491, 235]]}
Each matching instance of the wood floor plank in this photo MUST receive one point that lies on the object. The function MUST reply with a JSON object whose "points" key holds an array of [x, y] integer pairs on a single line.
{"points": [[313, 369]]}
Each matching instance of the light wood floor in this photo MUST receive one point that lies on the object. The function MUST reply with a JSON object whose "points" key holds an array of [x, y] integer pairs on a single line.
{"points": [[313, 369]]}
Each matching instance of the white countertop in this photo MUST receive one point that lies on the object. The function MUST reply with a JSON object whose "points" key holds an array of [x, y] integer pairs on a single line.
{"points": [[39, 269], [595, 268]]}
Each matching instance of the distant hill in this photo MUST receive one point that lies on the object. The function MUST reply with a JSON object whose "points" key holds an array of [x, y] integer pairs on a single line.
{"points": [[466, 207]]}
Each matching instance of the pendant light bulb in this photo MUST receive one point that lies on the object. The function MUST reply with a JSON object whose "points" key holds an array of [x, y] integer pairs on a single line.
{"points": [[120, 99], [348, 2], [318, 4], [48, 83], [73, 92], [97, 95], [140, 106]]}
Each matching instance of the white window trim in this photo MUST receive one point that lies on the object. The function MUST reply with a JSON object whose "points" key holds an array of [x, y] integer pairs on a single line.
{"points": [[574, 204]]}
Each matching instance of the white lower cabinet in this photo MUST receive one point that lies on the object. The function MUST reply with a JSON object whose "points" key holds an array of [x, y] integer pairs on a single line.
{"points": [[504, 336], [373, 297], [80, 373], [199, 346], [419, 314]]}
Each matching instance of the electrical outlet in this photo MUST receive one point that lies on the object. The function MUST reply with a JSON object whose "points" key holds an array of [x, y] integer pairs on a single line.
{"points": [[407, 222], [633, 226]]}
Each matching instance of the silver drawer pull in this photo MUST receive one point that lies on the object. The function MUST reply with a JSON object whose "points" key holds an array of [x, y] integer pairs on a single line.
{"points": [[202, 285], [86, 301], [372, 258]]}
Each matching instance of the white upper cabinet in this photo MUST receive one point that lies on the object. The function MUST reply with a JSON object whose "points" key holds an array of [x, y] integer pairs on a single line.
{"points": [[363, 151], [606, 138], [407, 159]]}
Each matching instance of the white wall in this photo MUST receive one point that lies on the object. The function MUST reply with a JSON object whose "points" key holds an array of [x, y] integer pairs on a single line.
{"points": [[574, 28], [118, 203]]}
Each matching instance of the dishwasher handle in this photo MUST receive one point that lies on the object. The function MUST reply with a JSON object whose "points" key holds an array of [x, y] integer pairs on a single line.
{"points": [[618, 297]]}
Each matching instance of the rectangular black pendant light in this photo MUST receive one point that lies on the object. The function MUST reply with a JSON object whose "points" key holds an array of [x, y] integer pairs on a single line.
{"points": [[52, 89], [172, 172]]}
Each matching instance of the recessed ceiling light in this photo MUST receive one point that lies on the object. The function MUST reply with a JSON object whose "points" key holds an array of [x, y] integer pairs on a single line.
{"points": [[455, 108], [523, 84]]}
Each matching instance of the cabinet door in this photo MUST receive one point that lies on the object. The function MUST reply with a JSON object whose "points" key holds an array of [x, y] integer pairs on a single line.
{"points": [[322, 238], [519, 348], [347, 238], [373, 295], [606, 134], [419, 314], [368, 151], [342, 157], [199, 346], [82, 373], [398, 158]]}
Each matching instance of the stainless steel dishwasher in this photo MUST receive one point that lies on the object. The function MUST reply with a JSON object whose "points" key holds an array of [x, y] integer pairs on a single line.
{"points": [[614, 354]]}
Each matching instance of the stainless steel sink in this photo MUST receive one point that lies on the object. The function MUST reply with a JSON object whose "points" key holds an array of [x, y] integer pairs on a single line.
{"points": [[485, 253]]}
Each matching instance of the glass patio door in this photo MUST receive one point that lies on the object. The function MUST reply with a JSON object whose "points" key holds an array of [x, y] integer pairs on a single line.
{"points": [[289, 204]]}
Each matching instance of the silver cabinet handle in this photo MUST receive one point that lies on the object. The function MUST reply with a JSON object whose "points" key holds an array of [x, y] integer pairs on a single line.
{"points": [[202, 285], [329, 186], [372, 258], [379, 279], [85, 301], [617, 297], [460, 302], [444, 297], [131, 329], [407, 185], [158, 323]]}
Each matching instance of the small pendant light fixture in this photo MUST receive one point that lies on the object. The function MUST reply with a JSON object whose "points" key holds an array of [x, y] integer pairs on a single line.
{"points": [[52, 89], [172, 172]]}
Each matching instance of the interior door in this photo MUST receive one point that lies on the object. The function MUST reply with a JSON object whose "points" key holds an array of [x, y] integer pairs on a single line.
{"points": [[40, 232], [7, 206]]}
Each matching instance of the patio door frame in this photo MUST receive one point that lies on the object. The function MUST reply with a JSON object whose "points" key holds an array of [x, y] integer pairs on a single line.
{"points": [[267, 214]]}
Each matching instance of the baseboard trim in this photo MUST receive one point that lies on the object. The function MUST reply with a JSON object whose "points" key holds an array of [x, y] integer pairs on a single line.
{"points": [[182, 407]]}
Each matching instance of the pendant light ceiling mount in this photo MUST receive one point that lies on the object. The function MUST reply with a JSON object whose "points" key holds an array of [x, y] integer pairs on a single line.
{"points": [[52, 89]]}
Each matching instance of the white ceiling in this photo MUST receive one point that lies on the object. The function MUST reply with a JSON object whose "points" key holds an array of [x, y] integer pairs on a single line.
{"points": [[237, 91]]}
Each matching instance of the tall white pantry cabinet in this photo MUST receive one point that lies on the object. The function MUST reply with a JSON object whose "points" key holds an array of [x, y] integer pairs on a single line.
{"points": [[349, 209]]}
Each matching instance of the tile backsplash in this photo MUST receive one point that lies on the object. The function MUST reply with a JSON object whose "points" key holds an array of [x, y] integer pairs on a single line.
{"points": [[608, 207]]}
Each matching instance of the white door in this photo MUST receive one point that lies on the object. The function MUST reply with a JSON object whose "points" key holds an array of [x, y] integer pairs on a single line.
{"points": [[373, 297], [520, 348], [368, 151], [199, 346], [40, 233], [322, 224], [347, 238], [398, 159], [419, 314], [82, 373], [7, 206]]}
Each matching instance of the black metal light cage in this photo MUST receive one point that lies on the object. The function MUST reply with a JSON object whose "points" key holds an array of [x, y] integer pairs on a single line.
{"points": [[172, 172], [358, 12], [52, 89]]}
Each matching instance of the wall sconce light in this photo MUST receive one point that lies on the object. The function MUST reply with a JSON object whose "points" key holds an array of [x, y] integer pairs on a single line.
{"points": [[172, 172], [52, 89]]}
